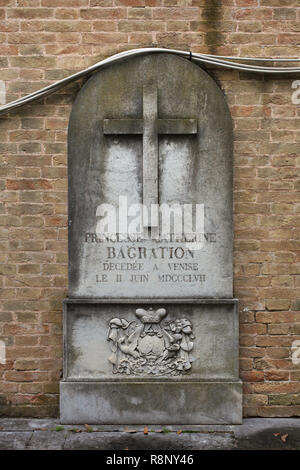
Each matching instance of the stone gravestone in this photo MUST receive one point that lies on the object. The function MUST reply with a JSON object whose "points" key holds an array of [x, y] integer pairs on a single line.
{"points": [[150, 325]]}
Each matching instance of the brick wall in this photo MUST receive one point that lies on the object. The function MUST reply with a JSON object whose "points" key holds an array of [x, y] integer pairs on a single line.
{"points": [[42, 41]]}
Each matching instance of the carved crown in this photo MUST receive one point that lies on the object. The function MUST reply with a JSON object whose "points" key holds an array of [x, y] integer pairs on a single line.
{"points": [[150, 316]]}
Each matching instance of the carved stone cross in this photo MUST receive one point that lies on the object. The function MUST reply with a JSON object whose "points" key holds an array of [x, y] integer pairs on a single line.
{"points": [[150, 127]]}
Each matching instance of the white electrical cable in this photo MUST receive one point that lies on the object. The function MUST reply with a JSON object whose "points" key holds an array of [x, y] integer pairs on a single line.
{"points": [[219, 61], [254, 59]]}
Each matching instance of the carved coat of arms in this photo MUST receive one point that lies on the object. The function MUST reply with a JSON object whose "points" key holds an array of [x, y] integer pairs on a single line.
{"points": [[151, 344]]}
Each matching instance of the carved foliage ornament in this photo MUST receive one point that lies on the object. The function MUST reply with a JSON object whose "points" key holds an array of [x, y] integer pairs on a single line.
{"points": [[151, 345]]}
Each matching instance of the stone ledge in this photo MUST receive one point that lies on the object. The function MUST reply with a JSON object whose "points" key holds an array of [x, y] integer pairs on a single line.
{"points": [[253, 434]]}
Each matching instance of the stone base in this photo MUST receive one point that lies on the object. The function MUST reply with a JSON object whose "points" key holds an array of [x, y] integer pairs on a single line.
{"points": [[151, 403]]}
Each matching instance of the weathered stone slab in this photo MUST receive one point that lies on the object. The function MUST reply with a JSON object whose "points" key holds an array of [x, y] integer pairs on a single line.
{"points": [[151, 402], [253, 434], [153, 129], [150, 326], [47, 440], [27, 424], [122, 441], [109, 341], [14, 440]]}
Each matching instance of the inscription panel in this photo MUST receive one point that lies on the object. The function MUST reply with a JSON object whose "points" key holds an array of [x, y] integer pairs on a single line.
{"points": [[137, 134]]}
